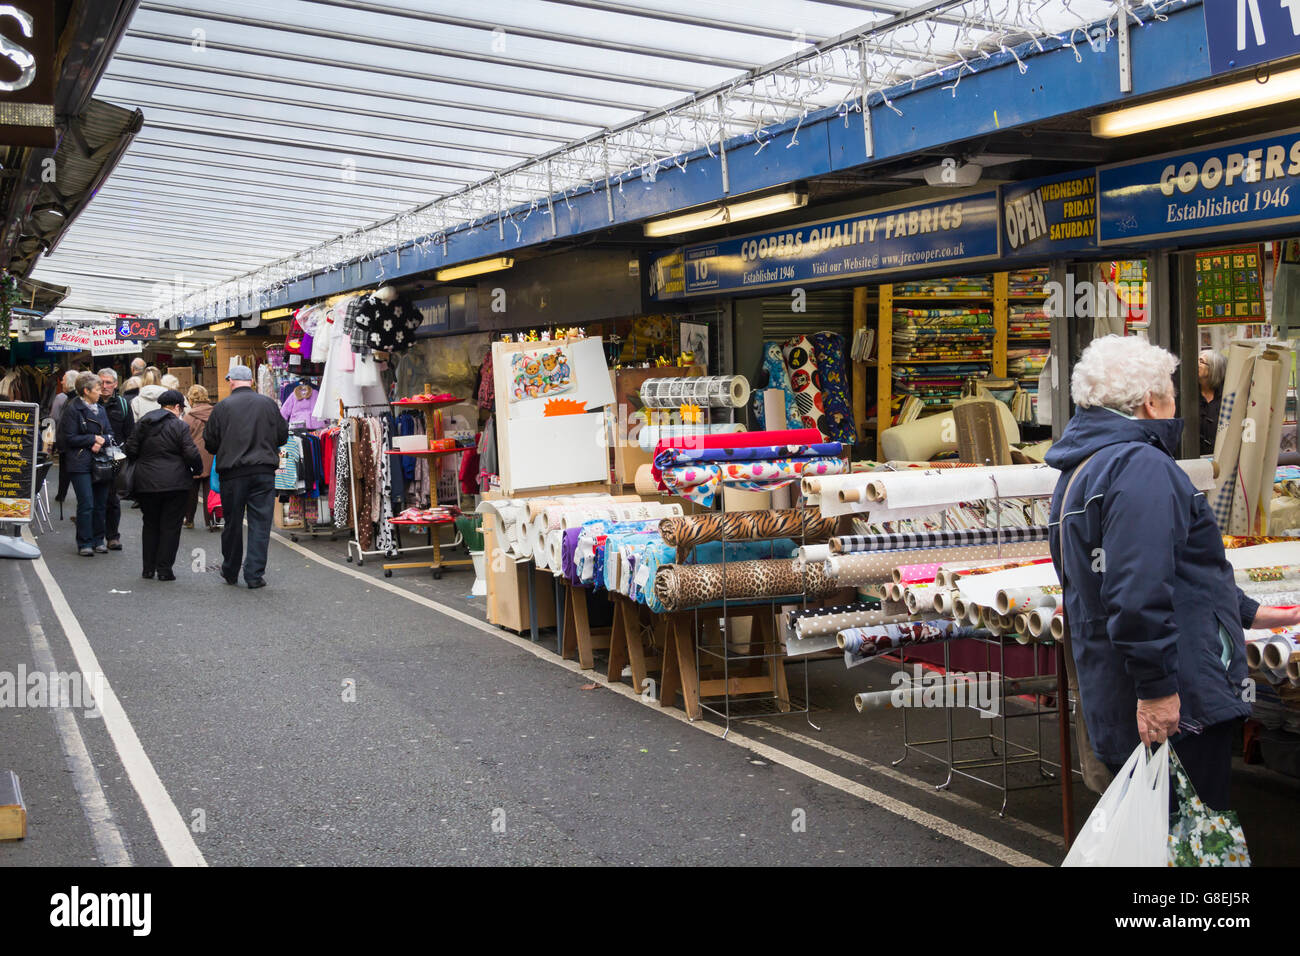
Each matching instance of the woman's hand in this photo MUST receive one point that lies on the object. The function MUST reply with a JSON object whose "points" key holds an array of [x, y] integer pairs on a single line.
{"points": [[1157, 719], [99, 443], [1267, 617]]}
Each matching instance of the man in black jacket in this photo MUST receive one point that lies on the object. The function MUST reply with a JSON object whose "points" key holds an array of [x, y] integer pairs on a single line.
{"points": [[120, 417], [166, 460], [244, 435]]}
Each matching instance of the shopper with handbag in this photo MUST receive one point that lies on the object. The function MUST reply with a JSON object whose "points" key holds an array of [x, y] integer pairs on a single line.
{"points": [[67, 392], [197, 420], [119, 417], [165, 461], [85, 432], [1154, 614]]}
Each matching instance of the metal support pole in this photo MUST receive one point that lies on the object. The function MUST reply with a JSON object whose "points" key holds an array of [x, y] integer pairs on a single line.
{"points": [[1125, 60], [722, 147], [869, 143], [1063, 728], [609, 187]]}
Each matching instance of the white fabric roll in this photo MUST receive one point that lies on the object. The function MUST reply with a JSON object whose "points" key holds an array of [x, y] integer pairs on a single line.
{"points": [[650, 435], [554, 551], [982, 589]]}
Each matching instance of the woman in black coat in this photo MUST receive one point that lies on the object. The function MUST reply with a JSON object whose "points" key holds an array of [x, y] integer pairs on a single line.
{"points": [[166, 461], [83, 433]]}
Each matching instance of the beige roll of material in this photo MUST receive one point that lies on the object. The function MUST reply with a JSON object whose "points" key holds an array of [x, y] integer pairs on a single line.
{"points": [[1039, 620], [1293, 671], [1058, 627], [944, 599], [555, 551], [973, 614], [1255, 653], [959, 608], [1279, 652], [1021, 625], [645, 483], [918, 597]]}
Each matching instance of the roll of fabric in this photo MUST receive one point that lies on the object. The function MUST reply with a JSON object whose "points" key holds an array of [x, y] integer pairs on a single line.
{"points": [[676, 457], [812, 554], [708, 391], [788, 436], [982, 589], [651, 435], [950, 572], [1040, 620], [919, 597], [1283, 572], [855, 543], [778, 376], [813, 625], [914, 573], [861, 644], [701, 482], [1024, 599], [537, 529], [683, 586], [805, 381], [645, 482], [555, 551], [1273, 598], [799, 523], [837, 419]]}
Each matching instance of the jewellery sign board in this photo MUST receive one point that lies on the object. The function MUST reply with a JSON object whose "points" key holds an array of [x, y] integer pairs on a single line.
{"points": [[1225, 187], [27, 40], [961, 229], [19, 423], [1247, 32]]}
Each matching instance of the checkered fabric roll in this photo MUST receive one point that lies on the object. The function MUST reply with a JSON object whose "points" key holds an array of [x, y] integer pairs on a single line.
{"points": [[853, 543]]}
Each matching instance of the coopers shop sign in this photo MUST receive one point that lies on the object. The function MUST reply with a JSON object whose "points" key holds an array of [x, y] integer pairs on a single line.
{"points": [[958, 229], [1248, 182]]}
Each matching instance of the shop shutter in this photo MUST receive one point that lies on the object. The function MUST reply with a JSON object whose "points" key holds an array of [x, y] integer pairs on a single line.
{"points": [[827, 310]]}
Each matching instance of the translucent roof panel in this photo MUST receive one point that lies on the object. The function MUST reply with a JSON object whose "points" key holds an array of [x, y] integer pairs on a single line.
{"points": [[284, 136]]}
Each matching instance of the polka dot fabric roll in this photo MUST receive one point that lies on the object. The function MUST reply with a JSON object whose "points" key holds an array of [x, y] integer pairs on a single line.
{"points": [[828, 354], [805, 380]]}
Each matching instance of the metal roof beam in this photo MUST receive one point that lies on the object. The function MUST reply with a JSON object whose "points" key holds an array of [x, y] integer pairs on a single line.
{"points": [[532, 34], [267, 159], [169, 188], [295, 182], [213, 91], [496, 110], [259, 209]]}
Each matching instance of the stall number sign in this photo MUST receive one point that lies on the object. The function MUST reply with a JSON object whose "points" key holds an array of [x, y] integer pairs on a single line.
{"points": [[1247, 32], [133, 327], [18, 427]]}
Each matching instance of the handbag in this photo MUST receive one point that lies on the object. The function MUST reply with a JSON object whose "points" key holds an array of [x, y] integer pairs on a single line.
{"points": [[102, 468]]}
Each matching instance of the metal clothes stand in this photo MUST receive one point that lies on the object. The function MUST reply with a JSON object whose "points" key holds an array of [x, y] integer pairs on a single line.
{"points": [[1004, 753], [318, 530]]}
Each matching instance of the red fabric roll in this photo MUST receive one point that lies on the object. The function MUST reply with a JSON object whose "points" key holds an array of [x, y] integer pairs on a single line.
{"points": [[790, 436]]}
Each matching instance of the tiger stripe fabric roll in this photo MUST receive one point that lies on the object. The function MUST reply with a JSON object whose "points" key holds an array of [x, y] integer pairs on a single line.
{"points": [[682, 586], [856, 543], [802, 524]]}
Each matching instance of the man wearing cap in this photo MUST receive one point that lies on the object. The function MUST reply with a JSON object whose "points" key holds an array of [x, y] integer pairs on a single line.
{"points": [[244, 435]]}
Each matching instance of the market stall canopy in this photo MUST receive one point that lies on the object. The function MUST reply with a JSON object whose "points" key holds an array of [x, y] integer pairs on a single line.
{"points": [[283, 139], [40, 298]]}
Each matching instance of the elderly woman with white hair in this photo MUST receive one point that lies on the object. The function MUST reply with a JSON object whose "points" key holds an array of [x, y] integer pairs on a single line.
{"points": [[1210, 370], [1155, 615]]}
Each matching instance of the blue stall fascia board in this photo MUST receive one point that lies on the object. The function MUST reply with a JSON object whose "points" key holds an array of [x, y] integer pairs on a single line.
{"points": [[992, 95]]}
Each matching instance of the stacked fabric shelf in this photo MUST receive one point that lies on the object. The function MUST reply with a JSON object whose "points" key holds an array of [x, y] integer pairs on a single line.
{"points": [[953, 286], [1029, 334], [1025, 283], [936, 350]]}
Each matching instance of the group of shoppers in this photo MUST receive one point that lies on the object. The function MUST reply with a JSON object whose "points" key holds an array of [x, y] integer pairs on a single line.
{"points": [[175, 443]]}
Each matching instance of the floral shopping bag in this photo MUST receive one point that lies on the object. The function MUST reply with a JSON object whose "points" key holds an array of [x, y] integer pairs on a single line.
{"points": [[1199, 836]]}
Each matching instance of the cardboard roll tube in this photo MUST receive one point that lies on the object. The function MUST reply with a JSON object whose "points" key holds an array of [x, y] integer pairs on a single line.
{"points": [[960, 609], [1039, 621], [895, 593], [1255, 654], [1009, 600], [848, 495], [1057, 627], [951, 693], [644, 482], [1280, 651], [944, 599], [1293, 671], [918, 598], [1021, 624], [973, 613]]}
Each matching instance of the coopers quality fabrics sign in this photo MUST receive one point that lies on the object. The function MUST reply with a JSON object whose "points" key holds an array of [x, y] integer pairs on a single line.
{"points": [[1056, 214], [1244, 183], [961, 229], [1246, 32]]}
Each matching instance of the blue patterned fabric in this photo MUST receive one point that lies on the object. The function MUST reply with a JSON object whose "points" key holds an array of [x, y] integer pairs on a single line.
{"points": [[778, 376], [837, 421]]}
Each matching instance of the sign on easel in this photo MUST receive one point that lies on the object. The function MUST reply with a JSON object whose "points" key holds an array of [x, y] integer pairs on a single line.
{"points": [[19, 425]]}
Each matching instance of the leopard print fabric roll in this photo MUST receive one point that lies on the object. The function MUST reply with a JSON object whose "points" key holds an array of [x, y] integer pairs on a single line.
{"points": [[799, 523], [682, 586]]}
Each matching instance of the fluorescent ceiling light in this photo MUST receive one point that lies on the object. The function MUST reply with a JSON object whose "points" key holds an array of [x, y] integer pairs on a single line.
{"points": [[221, 326], [1204, 104], [474, 268], [727, 212]]}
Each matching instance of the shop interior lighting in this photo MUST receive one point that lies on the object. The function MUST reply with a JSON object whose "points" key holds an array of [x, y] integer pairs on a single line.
{"points": [[1203, 104], [474, 268], [727, 212], [221, 326]]}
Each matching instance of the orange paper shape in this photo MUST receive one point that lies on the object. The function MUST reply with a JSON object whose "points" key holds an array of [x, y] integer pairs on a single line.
{"points": [[556, 407]]}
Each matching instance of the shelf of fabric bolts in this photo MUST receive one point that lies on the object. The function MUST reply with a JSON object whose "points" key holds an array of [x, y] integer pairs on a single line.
{"points": [[427, 452]]}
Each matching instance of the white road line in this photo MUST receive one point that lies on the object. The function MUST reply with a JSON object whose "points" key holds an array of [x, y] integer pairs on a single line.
{"points": [[109, 846], [886, 771], [173, 834], [875, 798]]}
